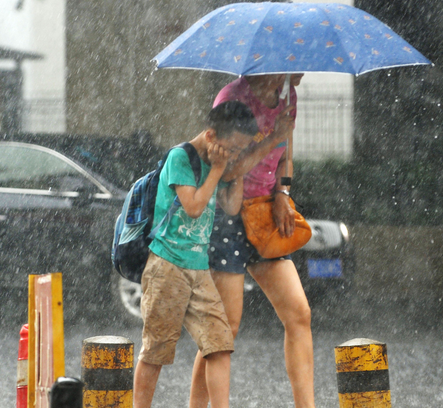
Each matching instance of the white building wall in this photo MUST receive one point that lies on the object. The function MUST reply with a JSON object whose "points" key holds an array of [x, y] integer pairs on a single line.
{"points": [[324, 126], [14, 26], [38, 26]]}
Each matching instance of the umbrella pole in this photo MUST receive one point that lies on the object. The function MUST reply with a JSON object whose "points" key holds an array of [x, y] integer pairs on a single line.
{"points": [[286, 181]]}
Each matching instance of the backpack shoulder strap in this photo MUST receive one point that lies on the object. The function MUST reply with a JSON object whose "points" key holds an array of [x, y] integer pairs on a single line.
{"points": [[194, 159]]}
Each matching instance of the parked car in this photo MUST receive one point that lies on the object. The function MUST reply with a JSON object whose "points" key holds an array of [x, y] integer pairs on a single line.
{"points": [[56, 216]]}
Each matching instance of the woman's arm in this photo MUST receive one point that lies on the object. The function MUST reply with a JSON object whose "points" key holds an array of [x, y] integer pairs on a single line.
{"points": [[251, 156], [282, 211], [231, 197]]}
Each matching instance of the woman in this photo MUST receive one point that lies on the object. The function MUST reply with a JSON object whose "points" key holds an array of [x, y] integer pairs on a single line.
{"points": [[263, 164]]}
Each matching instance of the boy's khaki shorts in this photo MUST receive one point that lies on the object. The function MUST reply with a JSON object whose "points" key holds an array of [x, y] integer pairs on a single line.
{"points": [[174, 297]]}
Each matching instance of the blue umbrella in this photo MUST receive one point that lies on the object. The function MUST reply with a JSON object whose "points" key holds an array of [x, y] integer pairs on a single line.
{"points": [[271, 38]]}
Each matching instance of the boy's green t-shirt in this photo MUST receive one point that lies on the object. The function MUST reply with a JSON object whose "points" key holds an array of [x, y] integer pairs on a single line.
{"points": [[183, 240]]}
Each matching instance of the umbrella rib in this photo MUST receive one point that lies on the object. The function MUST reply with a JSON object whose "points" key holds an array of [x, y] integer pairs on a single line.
{"points": [[250, 45]]}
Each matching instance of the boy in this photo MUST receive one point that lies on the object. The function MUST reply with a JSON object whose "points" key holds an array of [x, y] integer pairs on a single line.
{"points": [[177, 286]]}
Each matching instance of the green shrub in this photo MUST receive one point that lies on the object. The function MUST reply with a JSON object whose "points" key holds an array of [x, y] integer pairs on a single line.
{"points": [[402, 193]]}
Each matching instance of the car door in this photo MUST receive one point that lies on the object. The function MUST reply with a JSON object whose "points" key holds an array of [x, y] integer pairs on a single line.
{"points": [[54, 217]]}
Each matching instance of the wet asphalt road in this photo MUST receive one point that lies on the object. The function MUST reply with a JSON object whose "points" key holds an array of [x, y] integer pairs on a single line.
{"points": [[413, 334]]}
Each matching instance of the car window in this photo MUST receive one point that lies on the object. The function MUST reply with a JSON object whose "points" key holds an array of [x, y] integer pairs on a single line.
{"points": [[33, 168]]}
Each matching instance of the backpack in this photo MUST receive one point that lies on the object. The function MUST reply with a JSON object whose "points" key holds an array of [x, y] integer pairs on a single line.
{"points": [[133, 230]]}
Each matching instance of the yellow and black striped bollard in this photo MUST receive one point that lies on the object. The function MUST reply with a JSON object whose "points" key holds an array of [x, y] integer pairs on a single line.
{"points": [[362, 374], [107, 372]]}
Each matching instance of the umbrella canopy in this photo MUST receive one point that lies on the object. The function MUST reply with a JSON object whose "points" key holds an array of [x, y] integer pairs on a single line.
{"points": [[271, 38]]}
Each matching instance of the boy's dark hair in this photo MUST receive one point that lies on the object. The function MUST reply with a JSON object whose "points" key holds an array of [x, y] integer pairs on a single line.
{"points": [[232, 116]]}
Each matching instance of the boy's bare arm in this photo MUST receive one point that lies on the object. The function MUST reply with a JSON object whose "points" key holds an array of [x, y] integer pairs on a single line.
{"points": [[231, 197], [194, 200], [250, 157]]}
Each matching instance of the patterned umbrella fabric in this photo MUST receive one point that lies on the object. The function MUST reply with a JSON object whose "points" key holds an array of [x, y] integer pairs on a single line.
{"points": [[270, 38]]}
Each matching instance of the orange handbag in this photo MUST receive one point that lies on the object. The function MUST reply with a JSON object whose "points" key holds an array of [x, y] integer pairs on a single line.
{"points": [[262, 232]]}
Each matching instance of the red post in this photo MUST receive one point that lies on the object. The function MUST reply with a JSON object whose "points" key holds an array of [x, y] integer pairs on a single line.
{"points": [[22, 368]]}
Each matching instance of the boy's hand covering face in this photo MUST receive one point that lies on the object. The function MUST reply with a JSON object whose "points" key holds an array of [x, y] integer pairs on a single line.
{"points": [[217, 155]]}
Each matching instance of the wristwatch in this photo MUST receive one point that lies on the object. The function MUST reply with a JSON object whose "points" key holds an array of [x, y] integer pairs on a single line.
{"points": [[286, 192]]}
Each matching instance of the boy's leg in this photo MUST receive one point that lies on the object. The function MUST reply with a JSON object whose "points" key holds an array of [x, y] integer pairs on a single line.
{"points": [[145, 380], [163, 307], [230, 287], [208, 325], [218, 367], [164, 303]]}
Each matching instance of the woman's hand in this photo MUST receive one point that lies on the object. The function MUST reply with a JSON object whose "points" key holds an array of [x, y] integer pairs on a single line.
{"points": [[284, 125], [284, 215]]}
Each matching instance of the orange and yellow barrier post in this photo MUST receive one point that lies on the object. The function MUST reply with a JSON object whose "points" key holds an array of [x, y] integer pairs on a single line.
{"points": [[362, 374], [107, 372]]}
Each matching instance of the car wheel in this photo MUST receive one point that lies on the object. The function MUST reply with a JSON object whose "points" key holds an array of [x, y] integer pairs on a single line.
{"points": [[127, 297]]}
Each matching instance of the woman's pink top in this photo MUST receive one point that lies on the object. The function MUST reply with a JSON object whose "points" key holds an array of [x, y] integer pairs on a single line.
{"points": [[261, 179]]}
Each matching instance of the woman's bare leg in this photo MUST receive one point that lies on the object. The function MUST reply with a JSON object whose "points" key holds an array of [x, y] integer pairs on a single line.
{"points": [[280, 282], [230, 287]]}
